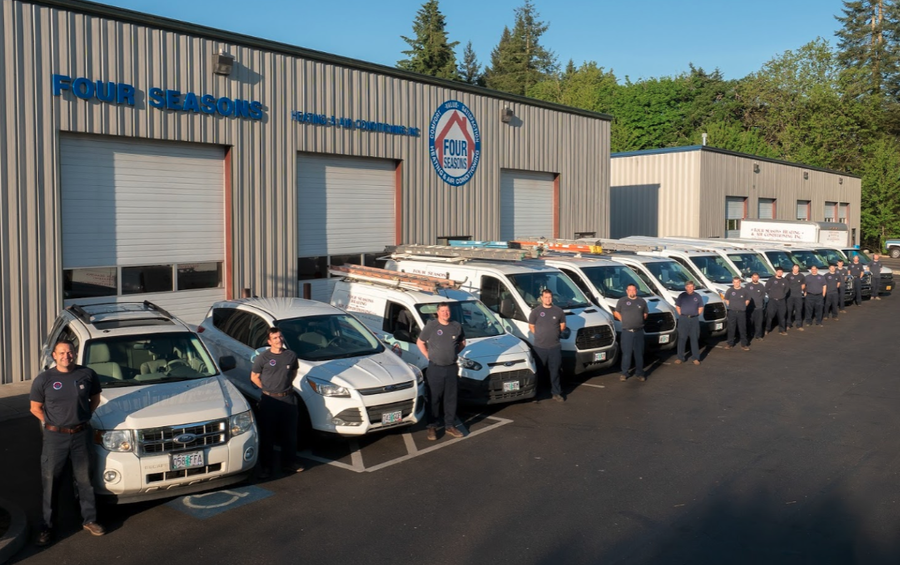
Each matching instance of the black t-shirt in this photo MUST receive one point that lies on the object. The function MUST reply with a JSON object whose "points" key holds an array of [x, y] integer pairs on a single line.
{"points": [[66, 396], [856, 269], [777, 288], [632, 311], [875, 268], [795, 283], [815, 284], [442, 341], [276, 371], [737, 298], [832, 280], [690, 304], [757, 293], [546, 323]]}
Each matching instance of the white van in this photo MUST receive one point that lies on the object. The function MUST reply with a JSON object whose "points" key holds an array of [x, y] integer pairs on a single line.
{"points": [[494, 367], [667, 278], [512, 289], [605, 282]]}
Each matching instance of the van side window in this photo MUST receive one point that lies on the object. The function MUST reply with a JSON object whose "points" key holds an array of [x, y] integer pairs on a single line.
{"points": [[644, 277], [233, 323], [258, 332], [499, 299], [400, 322], [579, 282]]}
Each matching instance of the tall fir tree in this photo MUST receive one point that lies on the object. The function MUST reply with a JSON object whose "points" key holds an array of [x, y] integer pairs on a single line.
{"points": [[520, 61], [870, 39], [430, 53], [470, 69]]}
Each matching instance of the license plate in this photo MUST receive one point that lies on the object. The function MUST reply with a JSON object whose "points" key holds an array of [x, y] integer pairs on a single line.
{"points": [[601, 356], [392, 417], [187, 460], [719, 326], [664, 339], [511, 386]]}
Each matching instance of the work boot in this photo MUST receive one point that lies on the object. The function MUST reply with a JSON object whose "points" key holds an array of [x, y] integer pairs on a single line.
{"points": [[95, 528], [432, 434], [452, 431]]}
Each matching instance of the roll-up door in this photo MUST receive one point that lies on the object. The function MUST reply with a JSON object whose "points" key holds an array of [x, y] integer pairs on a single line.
{"points": [[345, 214], [766, 208], [526, 204], [734, 213], [143, 220]]}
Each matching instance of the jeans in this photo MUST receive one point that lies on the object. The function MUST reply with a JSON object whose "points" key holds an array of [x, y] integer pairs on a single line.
{"points": [[737, 323], [857, 291], [689, 328], [876, 285], [443, 391], [278, 418], [755, 314], [549, 362], [57, 449], [831, 304], [776, 308], [795, 311], [632, 344], [814, 303]]}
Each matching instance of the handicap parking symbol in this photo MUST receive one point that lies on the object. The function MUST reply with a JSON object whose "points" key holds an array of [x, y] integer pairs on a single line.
{"points": [[208, 504]]}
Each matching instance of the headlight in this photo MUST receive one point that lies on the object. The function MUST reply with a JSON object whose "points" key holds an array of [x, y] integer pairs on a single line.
{"points": [[326, 388], [241, 423], [469, 364], [419, 378], [114, 440], [565, 333]]}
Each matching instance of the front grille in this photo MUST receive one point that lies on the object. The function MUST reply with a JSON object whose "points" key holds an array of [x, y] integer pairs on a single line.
{"points": [[153, 441], [887, 276], [594, 337], [660, 322], [183, 473], [527, 382], [350, 415], [375, 412], [714, 311], [386, 388], [506, 363]]}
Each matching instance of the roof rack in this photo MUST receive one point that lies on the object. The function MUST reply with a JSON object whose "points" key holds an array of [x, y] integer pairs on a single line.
{"points": [[590, 246], [394, 279], [458, 253], [81, 312]]}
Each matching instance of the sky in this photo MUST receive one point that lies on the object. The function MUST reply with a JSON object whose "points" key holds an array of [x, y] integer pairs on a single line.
{"points": [[651, 38]]}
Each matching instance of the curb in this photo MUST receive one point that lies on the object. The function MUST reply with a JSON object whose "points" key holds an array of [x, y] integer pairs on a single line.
{"points": [[15, 537]]}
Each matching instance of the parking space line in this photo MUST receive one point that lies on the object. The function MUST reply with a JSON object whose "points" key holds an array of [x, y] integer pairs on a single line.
{"points": [[356, 455], [595, 386], [410, 444]]}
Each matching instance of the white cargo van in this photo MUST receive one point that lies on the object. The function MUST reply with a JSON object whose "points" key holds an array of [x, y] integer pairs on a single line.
{"points": [[494, 367], [512, 288]]}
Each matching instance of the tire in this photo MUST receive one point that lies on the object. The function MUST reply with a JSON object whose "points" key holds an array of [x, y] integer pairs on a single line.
{"points": [[894, 252]]}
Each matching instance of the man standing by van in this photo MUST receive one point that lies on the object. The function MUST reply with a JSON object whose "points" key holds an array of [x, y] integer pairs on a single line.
{"points": [[777, 289], [815, 296], [875, 269], [440, 342], [757, 292], [631, 310], [796, 291], [546, 322], [842, 271], [737, 299], [689, 305], [858, 272]]}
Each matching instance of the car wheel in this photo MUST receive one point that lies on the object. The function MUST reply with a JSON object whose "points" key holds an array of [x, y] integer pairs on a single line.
{"points": [[895, 252]]}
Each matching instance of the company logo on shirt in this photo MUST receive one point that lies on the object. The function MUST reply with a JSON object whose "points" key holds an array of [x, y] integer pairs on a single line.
{"points": [[628, 303], [440, 332], [57, 385], [272, 362], [542, 314]]}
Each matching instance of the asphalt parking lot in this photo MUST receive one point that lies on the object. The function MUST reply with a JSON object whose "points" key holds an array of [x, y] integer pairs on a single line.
{"points": [[787, 453]]}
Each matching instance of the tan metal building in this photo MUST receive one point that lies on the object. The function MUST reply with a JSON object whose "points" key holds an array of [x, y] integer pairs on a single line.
{"points": [[146, 158], [702, 191]]}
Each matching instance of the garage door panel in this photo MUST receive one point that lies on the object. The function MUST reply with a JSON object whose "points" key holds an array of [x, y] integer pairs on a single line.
{"points": [[526, 204]]}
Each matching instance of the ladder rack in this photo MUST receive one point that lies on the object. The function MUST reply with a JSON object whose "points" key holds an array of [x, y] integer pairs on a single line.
{"points": [[447, 252], [590, 246], [394, 279]]}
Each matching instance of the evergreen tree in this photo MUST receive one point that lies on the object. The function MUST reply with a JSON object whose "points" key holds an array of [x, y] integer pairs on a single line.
{"points": [[870, 39], [520, 61], [881, 191], [470, 69], [430, 53]]}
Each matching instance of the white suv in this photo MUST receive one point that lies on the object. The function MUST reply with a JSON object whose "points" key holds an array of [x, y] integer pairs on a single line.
{"points": [[349, 382], [168, 423]]}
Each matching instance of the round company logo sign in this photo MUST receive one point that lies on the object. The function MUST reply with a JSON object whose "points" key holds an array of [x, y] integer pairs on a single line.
{"points": [[272, 362], [57, 385], [454, 142]]}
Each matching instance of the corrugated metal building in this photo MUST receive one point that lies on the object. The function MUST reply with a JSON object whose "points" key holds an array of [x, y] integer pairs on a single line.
{"points": [[137, 163], [701, 191]]}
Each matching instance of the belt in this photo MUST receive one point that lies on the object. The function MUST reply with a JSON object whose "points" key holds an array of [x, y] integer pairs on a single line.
{"points": [[277, 394], [634, 330], [687, 316], [74, 430]]}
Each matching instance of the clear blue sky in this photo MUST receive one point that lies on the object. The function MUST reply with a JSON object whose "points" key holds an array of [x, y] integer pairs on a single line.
{"points": [[639, 39]]}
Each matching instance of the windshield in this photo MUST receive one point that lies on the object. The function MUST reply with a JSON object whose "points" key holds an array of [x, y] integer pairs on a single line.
{"points": [[612, 281], [749, 263], [714, 267], [475, 318], [863, 258], [331, 336], [782, 259], [809, 258], [832, 256], [671, 275], [565, 293], [147, 359]]}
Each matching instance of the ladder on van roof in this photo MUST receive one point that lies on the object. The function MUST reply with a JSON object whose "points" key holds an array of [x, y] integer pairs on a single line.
{"points": [[459, 253], [394, 279], [590, 246]]}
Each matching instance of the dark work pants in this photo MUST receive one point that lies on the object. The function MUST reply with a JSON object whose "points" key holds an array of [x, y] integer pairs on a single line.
{"points": [[549, 362], [814, 303], [841, 295], [857, 288], [689, 328], [876, 285], [443, 390], [737, 322], [755, 315], [278, 417], [632, 345], [831, 304], [57, 449], [795, 311], [775, 309]]}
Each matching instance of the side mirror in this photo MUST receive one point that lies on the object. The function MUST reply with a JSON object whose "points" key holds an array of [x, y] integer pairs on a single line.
{"points": [[227, 363]]}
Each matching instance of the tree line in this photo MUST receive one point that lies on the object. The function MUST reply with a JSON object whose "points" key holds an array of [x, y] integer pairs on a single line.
{"points": [[830, 105]]}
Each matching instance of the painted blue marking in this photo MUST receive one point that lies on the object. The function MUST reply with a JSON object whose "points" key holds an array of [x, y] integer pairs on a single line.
{"points": [[208, 504]]}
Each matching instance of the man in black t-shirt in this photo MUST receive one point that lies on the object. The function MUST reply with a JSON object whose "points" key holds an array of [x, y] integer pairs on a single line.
{"points": [[737, 299], [833, 289], [815, 296], [756, 310], [440, 342], [858, 272], [875, 269], [63, 399], [842, 270], [546, 322], [689, 305], [274, 371], [796, 293], [631, 310], [777, 290]]}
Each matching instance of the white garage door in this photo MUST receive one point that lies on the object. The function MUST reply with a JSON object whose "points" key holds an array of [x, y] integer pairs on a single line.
{"points": [[526, 204], [143, 220], [345, 214], [734, 212]]}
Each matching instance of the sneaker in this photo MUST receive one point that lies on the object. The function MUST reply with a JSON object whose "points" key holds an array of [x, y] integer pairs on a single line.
{"points": [[727, 346], [696, 361], [745, 348], [95, 528], [843, 311], [432, 434], [558, 398], [800, 329], [292, 469], [877, 298], [782, 333], [623, 378], [452, 431], [44, 537], [678, 361], [642, 378]]}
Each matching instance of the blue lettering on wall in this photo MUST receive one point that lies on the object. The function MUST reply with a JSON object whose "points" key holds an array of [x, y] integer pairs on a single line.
{"points": [[309, 118], [157, 98]]}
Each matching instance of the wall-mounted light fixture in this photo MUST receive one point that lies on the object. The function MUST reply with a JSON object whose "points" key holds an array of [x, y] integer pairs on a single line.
{"points": [[840, 180], [222, 63], [506, 115], [805, 175], [755, 167]]}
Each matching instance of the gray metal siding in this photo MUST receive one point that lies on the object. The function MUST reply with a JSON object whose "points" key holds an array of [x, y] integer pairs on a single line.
{"points": [[39, 41]]}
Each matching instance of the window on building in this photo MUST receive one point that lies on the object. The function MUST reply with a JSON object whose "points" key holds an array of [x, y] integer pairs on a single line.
{"points": [[803, 210], [843, 212], [89, 283], [766, 208], [192, 276], [317, 267], [735, 211], [831, 211], [148, 278]]}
